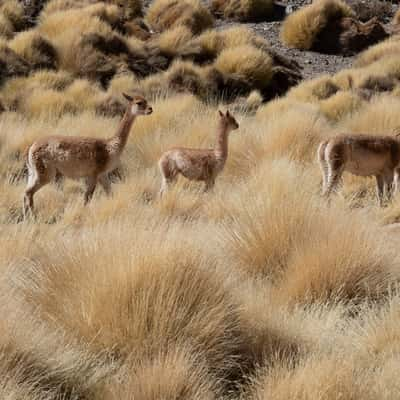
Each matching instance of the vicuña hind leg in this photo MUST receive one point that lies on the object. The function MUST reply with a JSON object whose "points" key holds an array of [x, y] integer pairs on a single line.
{"points": [[323, 164], [39, 176], [335, 172], [168, 175]]}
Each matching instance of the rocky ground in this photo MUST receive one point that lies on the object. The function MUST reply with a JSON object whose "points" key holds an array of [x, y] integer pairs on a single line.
{"points": [[313, 63]]}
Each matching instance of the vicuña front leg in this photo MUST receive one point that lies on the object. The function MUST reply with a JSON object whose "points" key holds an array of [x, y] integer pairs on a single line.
{"points": [[90, 188], [105, 184], [209, 185]]}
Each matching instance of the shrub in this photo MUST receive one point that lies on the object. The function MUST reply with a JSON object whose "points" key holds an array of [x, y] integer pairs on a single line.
{"points": [[165, 14], [137, 28], [114, 14], [302, 28], [174, 42], [387, 48], [244, 68], [164, 299], [131, 8], [6, 27], [11, 64], [315, 377], [14, 12], [38, 51], [377, 117], [243, 10], [340, 105], [314, 90], [181, 77], [177, 371]]}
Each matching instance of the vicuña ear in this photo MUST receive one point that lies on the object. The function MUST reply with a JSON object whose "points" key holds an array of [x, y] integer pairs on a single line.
{"points": [[228, 114], [129, 98], [221, 114]]}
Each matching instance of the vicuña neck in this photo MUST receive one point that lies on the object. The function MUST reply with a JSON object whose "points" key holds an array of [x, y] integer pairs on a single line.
{"points": [[121, 136], [221, 146]]}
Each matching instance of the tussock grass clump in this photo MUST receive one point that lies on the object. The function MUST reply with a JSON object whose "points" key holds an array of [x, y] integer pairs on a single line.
{"points": [[340, 105], [211, 43], [244, 68], [243, 10], [131, 8], [165, 14], [54, 6], [6, 27], [175, 372], [174, 42], [314, 90], [164, 299], [302, 28], [13, 11], [181, 77], [112, 12], [306, 259], [377, 117], [313, 378], [11, 64], [389, 47], [35, 49]]}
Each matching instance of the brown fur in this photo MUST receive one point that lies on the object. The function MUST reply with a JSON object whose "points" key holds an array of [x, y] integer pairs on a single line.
{"points": [[198, 164], [80, 157], [361, 155]]}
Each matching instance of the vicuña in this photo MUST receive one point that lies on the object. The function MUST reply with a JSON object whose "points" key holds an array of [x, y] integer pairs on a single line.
{"points": [[362, 155], [80, 157], [198, 164]]}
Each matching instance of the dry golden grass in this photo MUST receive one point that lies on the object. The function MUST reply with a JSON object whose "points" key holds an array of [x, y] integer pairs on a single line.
{"points": [[256, 290], [243, 10], [165, 14], [174, 372], [375, 53], [340, 105], [38, 51], [174, 42], [245, 64], [301, 28]]}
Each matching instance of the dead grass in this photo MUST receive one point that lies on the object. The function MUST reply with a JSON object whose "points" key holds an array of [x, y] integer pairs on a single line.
{"points": [[136, 317], [173, 372], [340, 105], [375, 53], [246, 67], [38, 51], [165, 14], [300, 29], [256, 290], [243, 10]]}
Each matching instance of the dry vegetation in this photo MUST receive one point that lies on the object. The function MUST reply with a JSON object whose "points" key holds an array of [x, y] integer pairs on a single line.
{"points": [[331, 26], [243, 10], [256, 290]]}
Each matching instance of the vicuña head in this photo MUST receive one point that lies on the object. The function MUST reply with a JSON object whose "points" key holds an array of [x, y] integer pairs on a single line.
{"points": [[198, 164], [138, 105], [229, 120], [80, 157]]}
